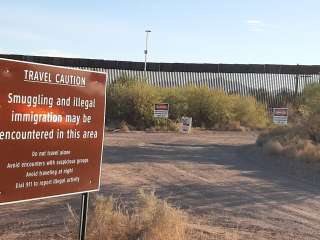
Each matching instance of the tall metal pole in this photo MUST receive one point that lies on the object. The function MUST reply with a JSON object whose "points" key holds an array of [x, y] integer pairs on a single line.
{"points": [[83, 215], [146, 51]]}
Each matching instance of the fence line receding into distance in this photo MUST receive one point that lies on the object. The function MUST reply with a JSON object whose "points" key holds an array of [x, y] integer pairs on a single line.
{"points": [[276, 90], [275, 85]]}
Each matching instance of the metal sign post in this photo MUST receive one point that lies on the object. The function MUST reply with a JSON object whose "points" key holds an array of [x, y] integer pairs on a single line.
{"points": [[83, 215]]}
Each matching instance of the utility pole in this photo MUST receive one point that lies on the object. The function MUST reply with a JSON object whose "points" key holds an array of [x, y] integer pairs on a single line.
{"points": [[146, 51]]}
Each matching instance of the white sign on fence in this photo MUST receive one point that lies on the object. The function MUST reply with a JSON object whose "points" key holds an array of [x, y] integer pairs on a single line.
{"points": [[186, 124], [280, 116], [161, 110]]}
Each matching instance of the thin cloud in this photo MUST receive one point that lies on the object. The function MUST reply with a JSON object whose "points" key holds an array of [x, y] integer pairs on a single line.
{"points": [[255, 25], [254, 22]]}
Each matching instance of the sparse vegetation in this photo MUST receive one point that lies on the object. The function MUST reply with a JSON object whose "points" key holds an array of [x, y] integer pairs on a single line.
{"points": [[132, 101], [301, 139], [148, 219]]}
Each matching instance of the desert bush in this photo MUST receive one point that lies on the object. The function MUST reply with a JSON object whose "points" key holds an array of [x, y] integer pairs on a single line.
{"points": [[302, 137], [124, 127], [309, 151], [133, 102], [177, 101], [249, 112], [311, 95], [284, 135], [149, 219], [207, 108], [304, 150], [313, 127], [215, 109], [158, 220], [305, 114], [293, 142], [311, 111]]}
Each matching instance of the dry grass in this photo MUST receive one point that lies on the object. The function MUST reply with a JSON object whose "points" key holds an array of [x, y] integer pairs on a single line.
{"points": [[301, 139], [234, 126], [307, 151], [124, 127], [292, 142], [148, 219], [284, 135], [313, 127], [166, 125]]}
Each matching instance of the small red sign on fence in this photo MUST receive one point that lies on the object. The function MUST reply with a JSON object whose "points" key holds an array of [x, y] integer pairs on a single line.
{"points": [[161, 110], [280, 116]]}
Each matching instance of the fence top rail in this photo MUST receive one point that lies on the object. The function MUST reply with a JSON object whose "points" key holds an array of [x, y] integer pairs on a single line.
{"points": [[169, 67]]}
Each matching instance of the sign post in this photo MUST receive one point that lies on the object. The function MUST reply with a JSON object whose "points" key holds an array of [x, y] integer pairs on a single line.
{"points": [[51, 132], [83, 215], [161, 110]]}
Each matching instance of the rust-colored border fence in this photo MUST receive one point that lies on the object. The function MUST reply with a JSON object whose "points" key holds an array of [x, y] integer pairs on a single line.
{"points": [[275, 85]]}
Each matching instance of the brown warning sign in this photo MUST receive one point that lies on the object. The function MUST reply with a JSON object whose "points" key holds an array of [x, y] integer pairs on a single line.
{"points": [[51, 130]]}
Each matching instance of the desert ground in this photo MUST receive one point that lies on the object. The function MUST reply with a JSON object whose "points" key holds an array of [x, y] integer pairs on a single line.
{"points": [[228, 185]]}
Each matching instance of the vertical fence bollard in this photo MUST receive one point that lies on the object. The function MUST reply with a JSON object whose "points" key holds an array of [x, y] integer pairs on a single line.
{"points": [[83, 215], [296, 88]]}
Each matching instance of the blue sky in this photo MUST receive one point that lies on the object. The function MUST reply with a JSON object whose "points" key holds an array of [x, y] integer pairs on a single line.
{"points": [[203, 31]]}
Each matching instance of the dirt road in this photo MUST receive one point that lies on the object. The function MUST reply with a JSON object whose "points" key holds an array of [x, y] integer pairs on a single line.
{"points": [[222, 179]]}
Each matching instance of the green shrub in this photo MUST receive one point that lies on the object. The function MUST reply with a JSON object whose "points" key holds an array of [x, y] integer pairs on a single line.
{"points": [[133, 102], [220, 109], [177, 101], [313, 127], [310, 111], [198, 102], [208, 108], [312, 97], [249, 112], [211, 108]]}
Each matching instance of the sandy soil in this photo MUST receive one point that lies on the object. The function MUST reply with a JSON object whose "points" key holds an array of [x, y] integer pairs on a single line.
{"points": [[222, 179]]}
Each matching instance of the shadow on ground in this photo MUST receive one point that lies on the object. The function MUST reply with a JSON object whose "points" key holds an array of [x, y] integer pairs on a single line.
{"points": [[281, 181]]}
